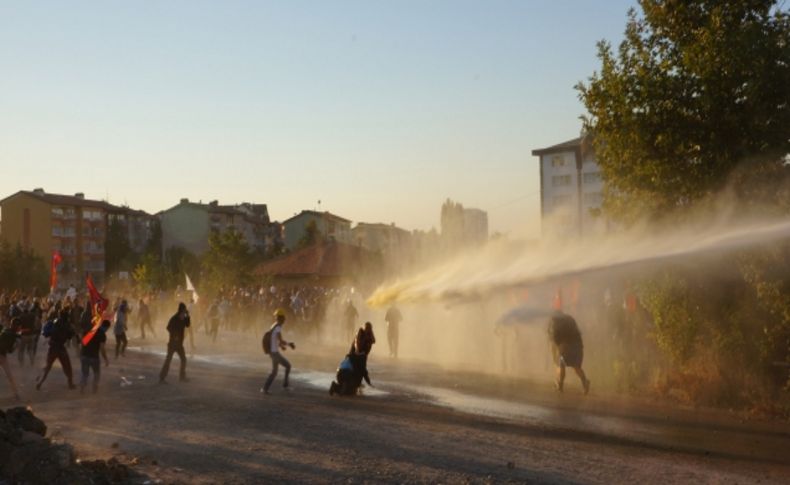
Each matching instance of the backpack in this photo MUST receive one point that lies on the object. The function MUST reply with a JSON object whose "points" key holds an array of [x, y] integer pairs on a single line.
{"points": [[7, 341], [267, 342], [48, 328]]}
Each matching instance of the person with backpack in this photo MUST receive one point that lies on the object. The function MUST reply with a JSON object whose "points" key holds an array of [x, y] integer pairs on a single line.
{"points": [[273, 343], [176, 327], [59, 332], [7, 344], [89, 356]]}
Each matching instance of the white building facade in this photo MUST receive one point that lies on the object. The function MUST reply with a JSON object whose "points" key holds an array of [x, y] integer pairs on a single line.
{"points": [[571, 189]]}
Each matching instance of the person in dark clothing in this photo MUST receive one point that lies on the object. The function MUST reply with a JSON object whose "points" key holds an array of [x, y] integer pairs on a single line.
{"points": [[567, 348], [360, 349], [26, 329], [59, 333], [7, 342], [144, 317], [176, 327], [89, 356]]}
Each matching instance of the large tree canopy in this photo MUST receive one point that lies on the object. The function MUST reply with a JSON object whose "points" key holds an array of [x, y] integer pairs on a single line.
{"points": [[696, 89]]}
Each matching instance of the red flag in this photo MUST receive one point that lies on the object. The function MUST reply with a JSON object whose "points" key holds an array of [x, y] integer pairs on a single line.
{"points": [[557, 302], [53, 270], [98, 305]]}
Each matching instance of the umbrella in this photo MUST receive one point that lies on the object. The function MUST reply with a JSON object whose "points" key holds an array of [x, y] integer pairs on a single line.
{"points": [[524, 314]]}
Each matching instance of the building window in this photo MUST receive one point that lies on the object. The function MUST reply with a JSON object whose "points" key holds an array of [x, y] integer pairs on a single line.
{"points": [[557, 161], [593, 198], [560, 180], [559, 200], [592, 177]]}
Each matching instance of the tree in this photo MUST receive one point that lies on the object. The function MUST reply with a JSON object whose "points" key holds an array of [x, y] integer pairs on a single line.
{"points": [[698, 97], [21, 269], [117, 249], [695, 89], [228, 261], [311, 235]]}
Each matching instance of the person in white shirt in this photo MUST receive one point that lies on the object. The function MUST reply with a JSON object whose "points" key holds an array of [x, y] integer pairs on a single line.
{"points": [[276, 344]]}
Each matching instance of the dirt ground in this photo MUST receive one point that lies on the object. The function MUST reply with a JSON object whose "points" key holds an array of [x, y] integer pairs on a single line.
{"points": [[218, 428]]}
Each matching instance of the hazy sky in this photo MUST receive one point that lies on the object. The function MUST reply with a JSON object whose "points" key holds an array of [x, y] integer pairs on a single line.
{"points": [[380, 109]]}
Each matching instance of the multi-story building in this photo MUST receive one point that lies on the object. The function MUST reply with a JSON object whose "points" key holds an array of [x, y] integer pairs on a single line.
{"points": [[188, 225], [571, 189], [329, 226], [461, 226], [72, 225], [137, 226], [387, 239]]}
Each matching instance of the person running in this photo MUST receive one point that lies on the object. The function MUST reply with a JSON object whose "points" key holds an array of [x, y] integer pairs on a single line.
{"points": [[121, 317], [59, 332], [89, 356], [276, 344], [567, 348], [7, 343], [393, 319], [176, 327]]}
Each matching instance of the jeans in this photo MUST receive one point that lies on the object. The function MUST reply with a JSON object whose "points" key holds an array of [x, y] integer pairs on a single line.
{"points": [[89, 363], [120, 344], [174, 348], [277, 359]]}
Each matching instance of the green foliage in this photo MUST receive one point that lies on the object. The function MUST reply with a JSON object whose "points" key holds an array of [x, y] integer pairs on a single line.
{"points": [[228, 261], [695, 89], [118, 255], [178, 261], [311, 235], [766, 271], [21, 269], [666, 298]]}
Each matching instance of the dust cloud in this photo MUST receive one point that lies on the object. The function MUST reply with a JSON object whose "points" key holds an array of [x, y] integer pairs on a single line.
{"points": [[453, 310]]}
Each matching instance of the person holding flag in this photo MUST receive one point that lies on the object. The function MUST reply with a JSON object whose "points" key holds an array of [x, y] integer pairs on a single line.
{"points": [[53, 271], [89, 356], [99, 305]]}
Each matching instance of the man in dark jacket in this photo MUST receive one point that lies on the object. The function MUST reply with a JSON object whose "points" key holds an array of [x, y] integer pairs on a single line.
{"points": [[59, 334], [176, 327], [567, 348]]}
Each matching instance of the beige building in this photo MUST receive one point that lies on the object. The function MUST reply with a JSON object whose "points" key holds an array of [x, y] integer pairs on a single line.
{"points": [[71, 224], [329, 226]]}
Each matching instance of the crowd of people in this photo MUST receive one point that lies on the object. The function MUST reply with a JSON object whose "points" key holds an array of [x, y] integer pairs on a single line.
{"points": [[67, 322], [67, 325]]}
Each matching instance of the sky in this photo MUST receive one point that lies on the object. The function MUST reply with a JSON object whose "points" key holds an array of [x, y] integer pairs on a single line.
{"points": [[379, 109]]}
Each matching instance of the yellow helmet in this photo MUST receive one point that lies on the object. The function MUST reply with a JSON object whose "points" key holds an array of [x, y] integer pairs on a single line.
{"points": [[279, 312]]}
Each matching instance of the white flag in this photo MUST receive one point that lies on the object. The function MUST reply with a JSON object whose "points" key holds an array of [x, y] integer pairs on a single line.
{"points": [[191, 287]]}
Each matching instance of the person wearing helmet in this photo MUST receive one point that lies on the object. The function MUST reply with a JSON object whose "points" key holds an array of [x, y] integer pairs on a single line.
{"points": [[276, 344]]}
